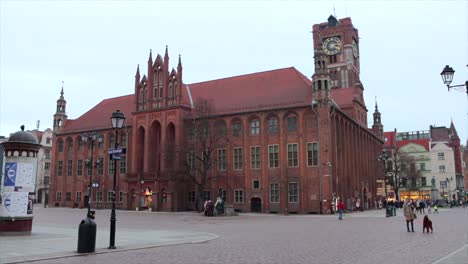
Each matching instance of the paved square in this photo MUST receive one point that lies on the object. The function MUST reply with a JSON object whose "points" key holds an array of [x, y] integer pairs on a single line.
{"points": [[158, 237]]}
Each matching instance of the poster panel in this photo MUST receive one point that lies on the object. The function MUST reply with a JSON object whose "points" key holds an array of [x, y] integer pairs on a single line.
{"points": [[19, 175], [10, 174], [15, 203]]}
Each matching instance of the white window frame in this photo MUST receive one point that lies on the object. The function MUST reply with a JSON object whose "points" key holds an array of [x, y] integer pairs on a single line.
{"points": [[295, 193], [222, 159], [255, 158], [238, 162], [275, 193], [238, 196], [293, 159], [313, 158], [255, 127], [276, 154]]}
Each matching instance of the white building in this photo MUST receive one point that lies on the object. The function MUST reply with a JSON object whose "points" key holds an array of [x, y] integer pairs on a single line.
{"points": [[44, 164], [443, 169]]}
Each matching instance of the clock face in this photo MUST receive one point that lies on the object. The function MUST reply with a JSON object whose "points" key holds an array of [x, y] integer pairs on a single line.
{"points": [[355, 50], [331, 46]]}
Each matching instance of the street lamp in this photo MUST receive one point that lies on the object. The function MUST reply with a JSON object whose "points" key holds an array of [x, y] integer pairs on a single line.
{"points": [[449, 191], [46, 183], [447, 77], [384, 157], [91, 138], [117, 119]]}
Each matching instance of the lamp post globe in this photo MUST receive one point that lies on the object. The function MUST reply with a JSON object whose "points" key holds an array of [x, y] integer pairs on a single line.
{"points": [[117, 120]]}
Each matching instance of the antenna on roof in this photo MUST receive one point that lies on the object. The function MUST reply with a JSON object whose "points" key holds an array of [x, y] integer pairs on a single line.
{"points": [[37, 124]]}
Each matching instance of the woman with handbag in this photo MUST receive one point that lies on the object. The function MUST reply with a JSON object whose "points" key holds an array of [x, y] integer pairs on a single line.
{"points": [[409, 214]]}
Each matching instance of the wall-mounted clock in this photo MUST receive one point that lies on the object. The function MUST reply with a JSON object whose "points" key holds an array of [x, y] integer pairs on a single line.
{"points": [[355, 49], [331, 46]]}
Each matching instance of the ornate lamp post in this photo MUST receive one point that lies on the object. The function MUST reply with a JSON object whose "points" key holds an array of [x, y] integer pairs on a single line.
{"points": [[447, 77], [91, 138], [117, 119]]}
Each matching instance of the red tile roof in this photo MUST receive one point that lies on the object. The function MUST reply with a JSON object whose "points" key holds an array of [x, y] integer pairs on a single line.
{"points": [[422, 142], [257, 91], [251, 92], [98, 117], [344, 97]]}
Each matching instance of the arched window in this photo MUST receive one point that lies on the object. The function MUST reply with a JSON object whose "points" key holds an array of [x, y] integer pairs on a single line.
{"points": [[273, 125]]}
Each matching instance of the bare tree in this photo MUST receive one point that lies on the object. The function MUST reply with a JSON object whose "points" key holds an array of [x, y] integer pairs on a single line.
{"points": [[205, 134], [398, 167]]}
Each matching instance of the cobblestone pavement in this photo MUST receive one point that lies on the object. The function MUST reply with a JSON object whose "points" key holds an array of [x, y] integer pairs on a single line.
{"points": [[362, 237]]}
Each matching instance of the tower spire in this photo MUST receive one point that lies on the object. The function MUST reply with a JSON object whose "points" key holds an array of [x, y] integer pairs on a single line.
{"points": [[61, 92]]}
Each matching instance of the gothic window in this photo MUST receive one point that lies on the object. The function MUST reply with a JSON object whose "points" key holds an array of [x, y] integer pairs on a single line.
{"points": [[170, 95], [237, 129], [141, 99], [60, 146], [220, 128], [292, 123], [273, 125], [255, 127]]}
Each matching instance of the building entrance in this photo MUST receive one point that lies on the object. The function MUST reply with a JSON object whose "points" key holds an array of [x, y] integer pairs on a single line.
{"points": [[256, 205]]}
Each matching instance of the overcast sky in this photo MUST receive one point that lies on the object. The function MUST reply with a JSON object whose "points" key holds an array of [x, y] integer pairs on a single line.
{"points": [[95, 46]]}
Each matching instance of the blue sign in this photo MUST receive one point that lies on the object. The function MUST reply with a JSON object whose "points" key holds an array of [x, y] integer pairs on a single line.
{"points": [[10, 173]]}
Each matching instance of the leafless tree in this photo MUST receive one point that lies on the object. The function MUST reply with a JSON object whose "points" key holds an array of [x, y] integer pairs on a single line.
{"points": [[205, 134], [398, 167]]}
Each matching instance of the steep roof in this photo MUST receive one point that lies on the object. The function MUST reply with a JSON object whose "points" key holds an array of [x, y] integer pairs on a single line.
{"points": [[257, 91], [278, 88], [98, 117]]}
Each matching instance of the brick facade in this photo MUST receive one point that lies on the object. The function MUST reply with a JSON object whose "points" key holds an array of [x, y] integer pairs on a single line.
{"points": [[317, 114]]}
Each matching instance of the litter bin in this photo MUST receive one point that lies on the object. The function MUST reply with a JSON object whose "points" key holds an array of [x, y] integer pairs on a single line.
{"points": [[87, 236], [388, 211]]}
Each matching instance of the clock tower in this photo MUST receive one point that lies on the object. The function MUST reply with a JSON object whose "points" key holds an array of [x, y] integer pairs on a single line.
{"points": [[339, 40]]}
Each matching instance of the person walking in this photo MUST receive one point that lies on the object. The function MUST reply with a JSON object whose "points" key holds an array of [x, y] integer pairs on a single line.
{"points": [[340, 208], [409, 214]]}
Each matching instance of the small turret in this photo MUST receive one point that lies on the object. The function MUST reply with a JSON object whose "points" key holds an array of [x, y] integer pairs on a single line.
{"points": [[60, 116]]}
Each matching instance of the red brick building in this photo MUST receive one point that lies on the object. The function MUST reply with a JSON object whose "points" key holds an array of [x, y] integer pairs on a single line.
{"points": [[290, 143]]}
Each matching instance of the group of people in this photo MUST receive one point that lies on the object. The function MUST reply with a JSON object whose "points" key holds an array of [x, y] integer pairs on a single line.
{"points": [[212, 209]]}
